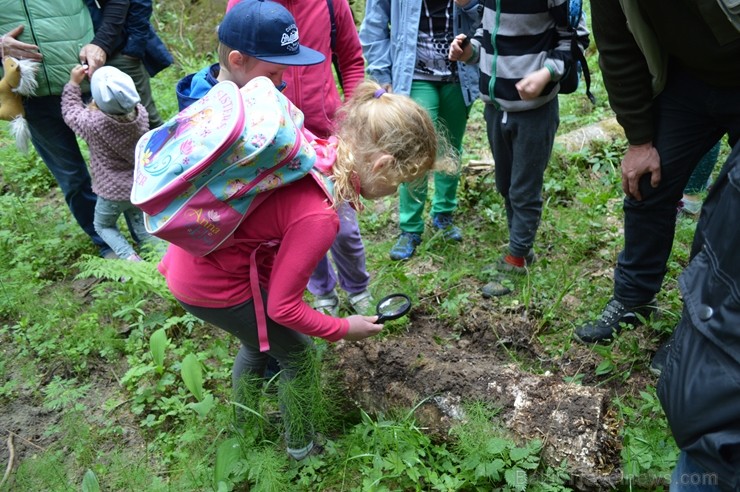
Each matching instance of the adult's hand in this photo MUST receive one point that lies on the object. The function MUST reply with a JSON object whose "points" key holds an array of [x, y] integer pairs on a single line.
{"points": [[18, 49], [638, 161], [93, 56], [361, 327]]}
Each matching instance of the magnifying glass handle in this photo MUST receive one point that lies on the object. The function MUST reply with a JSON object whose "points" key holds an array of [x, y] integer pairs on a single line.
{"points": [[381, 319]]}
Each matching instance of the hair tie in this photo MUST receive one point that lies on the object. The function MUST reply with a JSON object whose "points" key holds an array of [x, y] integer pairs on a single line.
{"points": [[379, 93]]}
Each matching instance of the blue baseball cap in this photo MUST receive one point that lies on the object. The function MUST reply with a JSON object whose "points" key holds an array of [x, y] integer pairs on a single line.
{"points": [[266, 31]]}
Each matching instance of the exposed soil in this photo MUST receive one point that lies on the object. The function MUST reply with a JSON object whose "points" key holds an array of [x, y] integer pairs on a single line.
{"points": [[434, 364]]}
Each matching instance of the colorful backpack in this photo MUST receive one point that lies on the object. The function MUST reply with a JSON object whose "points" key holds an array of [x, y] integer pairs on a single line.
{"points": [[197, 175]]}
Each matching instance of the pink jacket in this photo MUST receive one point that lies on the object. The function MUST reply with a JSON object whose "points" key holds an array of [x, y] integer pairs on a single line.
{"points": [[312, 89], [299, 218]]}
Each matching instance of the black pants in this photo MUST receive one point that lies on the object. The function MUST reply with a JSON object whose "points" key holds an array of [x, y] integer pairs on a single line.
{"points": [[691, 117]]}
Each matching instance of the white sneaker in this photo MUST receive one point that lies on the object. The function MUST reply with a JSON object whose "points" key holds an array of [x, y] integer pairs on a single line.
{"points": [[363, 303], [327, 303]]}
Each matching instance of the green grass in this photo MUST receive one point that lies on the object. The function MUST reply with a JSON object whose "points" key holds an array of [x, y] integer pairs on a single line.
{"points": [[68, 329]]}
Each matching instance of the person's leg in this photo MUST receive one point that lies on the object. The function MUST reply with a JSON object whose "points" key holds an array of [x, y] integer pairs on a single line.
{"points": [[106, 225], [287, 346], [452, 119], [691, 119], [135, 222], [501, 145], [135, 69], [57, 146], [323, 279], [531, 134], [413, 195], [348, 252], [689, 476]]}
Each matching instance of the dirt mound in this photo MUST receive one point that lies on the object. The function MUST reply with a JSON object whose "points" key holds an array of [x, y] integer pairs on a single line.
{"points": [[444, 367]]}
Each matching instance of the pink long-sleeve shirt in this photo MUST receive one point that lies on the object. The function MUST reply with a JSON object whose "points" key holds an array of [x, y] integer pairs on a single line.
{"points": [[299, 217]]}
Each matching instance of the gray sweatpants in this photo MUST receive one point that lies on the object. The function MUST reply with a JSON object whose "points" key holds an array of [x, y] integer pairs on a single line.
{"points": [[521, 143]]}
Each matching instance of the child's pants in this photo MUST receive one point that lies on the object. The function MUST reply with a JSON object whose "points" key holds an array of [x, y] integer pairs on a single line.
{"points": [[521, 143], [105, 222], [445, 104], [348, 253]]}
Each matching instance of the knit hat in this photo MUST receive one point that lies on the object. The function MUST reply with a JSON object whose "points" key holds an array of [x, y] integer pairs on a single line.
{"points": [[267, 31], [113, 91]]}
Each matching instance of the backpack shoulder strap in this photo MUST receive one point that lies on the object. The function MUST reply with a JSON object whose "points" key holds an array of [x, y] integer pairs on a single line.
{"points": [[575, 14], [333, 40]]}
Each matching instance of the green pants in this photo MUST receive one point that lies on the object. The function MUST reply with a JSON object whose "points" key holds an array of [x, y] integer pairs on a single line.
{"points": [[446, 105]]}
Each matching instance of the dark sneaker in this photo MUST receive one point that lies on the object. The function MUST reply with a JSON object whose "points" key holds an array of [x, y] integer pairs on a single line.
{"points": [[660, 357], [503, 266], [612, 317], [405, 246], [444, 223]]}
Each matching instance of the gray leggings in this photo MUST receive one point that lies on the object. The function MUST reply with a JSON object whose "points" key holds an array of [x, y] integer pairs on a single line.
{"points": [[287, 346]]}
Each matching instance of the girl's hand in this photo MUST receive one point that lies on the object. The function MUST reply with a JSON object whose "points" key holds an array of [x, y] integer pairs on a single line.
{"points": [[361, 327], [77, 74], [531, 86]]}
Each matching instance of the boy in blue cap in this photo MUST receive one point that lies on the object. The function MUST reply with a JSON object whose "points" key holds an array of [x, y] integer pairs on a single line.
{"points": [[256, 38]]}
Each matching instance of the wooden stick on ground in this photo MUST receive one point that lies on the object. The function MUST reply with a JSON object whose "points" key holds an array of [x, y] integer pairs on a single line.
{"points": [[11, 459]]}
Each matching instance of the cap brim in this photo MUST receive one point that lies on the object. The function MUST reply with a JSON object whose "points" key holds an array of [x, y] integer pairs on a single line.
{"points": [[305, 56]]}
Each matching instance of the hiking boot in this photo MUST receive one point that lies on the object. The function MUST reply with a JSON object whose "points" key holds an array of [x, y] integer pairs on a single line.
{"points": [[496, 288], [506, 264], [327, 304], [362, 303], [612, 317], [661, 357], [444, 223], [405, 246]]}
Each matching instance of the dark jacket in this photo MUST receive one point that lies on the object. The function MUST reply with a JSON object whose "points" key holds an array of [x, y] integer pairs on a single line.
{"points": [[699, 387], [638, 39], [122, 26]]}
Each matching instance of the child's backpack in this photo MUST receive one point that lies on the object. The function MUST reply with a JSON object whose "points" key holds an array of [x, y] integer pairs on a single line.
{"points": [[569, 81], [197, 175]]}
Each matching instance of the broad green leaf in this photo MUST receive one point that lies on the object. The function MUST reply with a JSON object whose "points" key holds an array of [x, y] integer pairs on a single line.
{"points": [[192, 375], [228, 454], [90, 482], [157, 344], [204, 406]]}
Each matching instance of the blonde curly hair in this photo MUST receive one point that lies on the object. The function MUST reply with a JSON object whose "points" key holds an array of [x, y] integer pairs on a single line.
{"points": [[374, 123]]}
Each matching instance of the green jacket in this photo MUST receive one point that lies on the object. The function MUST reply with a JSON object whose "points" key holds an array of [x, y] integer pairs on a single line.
{"points": [[636, 38], [60, 28]]}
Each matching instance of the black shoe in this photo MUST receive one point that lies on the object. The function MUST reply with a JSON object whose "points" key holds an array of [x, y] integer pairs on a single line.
{"points": [[660, 357], [612, 317]]}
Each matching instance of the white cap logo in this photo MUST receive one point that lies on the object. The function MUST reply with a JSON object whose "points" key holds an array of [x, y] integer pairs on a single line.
{"points": [[290, 38]]}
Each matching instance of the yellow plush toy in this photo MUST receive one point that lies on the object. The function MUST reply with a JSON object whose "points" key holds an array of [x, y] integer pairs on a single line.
{"points": [[19, 79]]}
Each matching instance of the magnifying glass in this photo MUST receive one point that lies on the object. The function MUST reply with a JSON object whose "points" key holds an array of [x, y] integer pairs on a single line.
{"points": [[393, 307]]}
